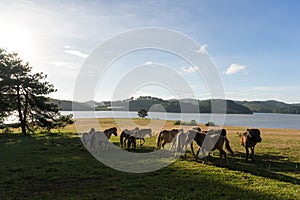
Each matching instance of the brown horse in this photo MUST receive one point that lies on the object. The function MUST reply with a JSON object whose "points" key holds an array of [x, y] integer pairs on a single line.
{"points": [[166, 136], [249, 139], [214, 139]]}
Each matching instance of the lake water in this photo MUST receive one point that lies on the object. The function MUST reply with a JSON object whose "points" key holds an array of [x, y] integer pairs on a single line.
{"points": [[257, 120]]}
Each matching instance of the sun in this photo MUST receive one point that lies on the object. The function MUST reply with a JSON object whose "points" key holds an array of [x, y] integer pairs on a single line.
{"points": [[17, 39]]}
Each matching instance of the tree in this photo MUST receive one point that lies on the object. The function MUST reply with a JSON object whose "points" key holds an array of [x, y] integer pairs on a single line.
{"points": [[142, 113], [6, 105], [27, 92]]}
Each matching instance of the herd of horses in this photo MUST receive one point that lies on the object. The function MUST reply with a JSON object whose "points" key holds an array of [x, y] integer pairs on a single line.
{"points": [[207, 141]]}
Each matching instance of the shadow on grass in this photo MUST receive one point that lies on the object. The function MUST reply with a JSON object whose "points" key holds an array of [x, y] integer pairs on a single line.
{"points": [[58, 166], [268, 166]]}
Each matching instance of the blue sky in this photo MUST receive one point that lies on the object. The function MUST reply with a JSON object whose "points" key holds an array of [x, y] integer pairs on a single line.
{"points": [[254, 44]]}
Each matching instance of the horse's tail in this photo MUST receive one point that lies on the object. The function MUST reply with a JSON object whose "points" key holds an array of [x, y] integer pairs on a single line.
{"points": [[158, 140], [228, 146], [122, 138]]}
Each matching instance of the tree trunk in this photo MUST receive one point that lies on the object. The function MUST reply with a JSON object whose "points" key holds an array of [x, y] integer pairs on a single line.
{"points": [[23, 123]]}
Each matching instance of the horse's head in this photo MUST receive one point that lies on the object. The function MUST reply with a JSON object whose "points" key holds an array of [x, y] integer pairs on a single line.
{"points": [[223, 132], [92, 131], [114, 131], [150, 133], [255, 135], [180, 130], [197, 129], [239, 134]]}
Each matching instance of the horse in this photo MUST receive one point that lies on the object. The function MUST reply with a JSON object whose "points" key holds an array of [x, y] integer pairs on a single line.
{"points": [[131, 141], [94, 140], [182, 140], [108, 132], [86, 137], [214, 139], [126, 134], [141, 133], [249, 139], [166, 136]]}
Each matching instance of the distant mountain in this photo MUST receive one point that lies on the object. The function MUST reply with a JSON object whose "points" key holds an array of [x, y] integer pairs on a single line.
{"points": [[176, 106], [182, 105], [271, 106], [67, 105]]}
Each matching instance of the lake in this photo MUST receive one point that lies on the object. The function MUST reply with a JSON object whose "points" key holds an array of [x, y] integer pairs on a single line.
{"points": [[256, 120]]}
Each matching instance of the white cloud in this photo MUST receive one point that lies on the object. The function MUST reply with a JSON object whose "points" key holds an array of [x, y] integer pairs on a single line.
{"points": [[234, 68], [76, 53], [190, 69], [148, 63], [202, 49], [61, 64]]}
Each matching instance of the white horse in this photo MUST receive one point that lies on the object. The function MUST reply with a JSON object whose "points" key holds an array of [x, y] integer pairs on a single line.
{"points": [[141, 133], [86, 137], [94, 140], [184, 139]]}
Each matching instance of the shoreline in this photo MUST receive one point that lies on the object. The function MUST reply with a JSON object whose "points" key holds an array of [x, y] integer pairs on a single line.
{"points": [[170, 124]]}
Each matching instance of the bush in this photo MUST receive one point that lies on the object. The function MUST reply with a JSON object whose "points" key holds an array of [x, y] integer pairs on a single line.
{"points": [[177, 122], [191, 123], [210, 124]]}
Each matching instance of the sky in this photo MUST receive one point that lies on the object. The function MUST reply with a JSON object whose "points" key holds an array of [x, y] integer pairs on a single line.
{"points": [[254, 45]]}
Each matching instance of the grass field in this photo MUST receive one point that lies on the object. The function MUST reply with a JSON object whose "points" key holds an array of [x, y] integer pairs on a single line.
{"points": [[59, 167]]}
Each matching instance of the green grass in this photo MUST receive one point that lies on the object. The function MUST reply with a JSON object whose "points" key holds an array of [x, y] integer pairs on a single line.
{"points": [[59, 167]]}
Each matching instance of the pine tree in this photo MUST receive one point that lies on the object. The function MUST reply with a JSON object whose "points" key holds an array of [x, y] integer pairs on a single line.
{"points": [[27, 94]]}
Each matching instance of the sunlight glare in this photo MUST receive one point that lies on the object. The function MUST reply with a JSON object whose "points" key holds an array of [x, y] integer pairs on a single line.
{"points": [[17, 39]]}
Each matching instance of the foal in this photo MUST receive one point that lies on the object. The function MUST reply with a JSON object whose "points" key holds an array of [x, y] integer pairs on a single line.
{"points": [[249, 139]]}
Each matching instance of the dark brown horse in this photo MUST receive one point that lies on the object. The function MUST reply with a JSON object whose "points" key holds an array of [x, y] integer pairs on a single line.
{"points": [[126, 135], [249, 139], [108, 132], [131, 141], [214, 139], [166, 136]]}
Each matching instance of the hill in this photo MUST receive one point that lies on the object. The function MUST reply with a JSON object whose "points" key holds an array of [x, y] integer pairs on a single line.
{"points": [[69, 105], [182, 105], [271, 106], [176, 106]]}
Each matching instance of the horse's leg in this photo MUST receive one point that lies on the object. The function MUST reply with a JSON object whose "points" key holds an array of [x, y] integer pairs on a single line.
{"points": [[125, 140], [221, 154], [197, 154], [203, 154], [141, 144], [134, 144], [163, 144], [185, 148], [173, 144], [128, 144], [225, 158], [247, 153], [252, 154]]}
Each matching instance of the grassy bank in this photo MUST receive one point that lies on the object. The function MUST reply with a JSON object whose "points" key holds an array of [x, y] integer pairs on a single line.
{"points": [[59, 167]]}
